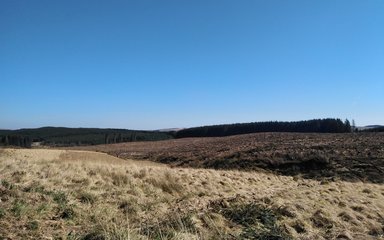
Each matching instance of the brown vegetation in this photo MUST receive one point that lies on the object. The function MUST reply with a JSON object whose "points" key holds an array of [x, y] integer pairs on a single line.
{"points": [[351, 157]]}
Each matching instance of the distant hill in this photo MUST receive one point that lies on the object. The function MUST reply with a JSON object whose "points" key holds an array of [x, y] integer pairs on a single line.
{"points": [[169, 129], [372, 128], [327, 125], [62, 136]]}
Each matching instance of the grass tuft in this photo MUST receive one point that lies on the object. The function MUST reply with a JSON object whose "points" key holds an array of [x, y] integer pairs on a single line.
{"points": [[170, 227], [111, 231], [86, 197], [168, 183], [119, 179], [259, 222], [321, 220], [140, 174], [2, 212], [19, 208], [67, 212], [60, 198], [7, 184], [129, 206], [32, 225]]}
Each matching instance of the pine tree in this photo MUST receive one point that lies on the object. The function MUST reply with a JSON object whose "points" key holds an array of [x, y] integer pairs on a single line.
{"points": [[354, 128], [347, 126]]}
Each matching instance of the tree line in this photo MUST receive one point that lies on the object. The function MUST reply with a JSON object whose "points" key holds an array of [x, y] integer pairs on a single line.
{"points": [[16, 140], [328, 125], [376, 129], [53, 136], [58, 136]]}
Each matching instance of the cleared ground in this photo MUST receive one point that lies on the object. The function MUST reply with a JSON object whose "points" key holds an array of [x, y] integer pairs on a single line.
{"points": [[349, 157], [65, 194]]}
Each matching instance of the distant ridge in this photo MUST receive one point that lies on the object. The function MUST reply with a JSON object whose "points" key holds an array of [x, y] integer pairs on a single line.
{"points": [[64, 136], [370, 127], [327, 125], [374, 126], [169, 129]]}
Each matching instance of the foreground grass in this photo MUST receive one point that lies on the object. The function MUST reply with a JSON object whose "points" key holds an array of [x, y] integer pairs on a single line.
{"points": [[46, 195]]}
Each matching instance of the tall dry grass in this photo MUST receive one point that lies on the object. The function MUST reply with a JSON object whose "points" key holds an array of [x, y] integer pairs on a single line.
{"points": [[46, 195]]}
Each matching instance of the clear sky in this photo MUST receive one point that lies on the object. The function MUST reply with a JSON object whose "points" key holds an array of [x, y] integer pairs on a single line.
{"points": [[159, 64]]}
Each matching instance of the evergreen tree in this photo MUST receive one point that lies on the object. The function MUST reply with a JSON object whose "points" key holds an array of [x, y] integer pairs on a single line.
{"points": [[347, 126]]}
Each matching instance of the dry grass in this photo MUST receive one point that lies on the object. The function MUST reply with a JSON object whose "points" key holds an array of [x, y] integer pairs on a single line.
{"points": [[64, 194]]}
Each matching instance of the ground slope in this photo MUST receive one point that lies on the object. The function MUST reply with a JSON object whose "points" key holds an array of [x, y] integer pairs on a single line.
{"points": [[349, 157], [65, 194]]}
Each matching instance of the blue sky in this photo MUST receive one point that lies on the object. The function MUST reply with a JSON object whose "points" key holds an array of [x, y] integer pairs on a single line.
{"points": [[158, 64]]}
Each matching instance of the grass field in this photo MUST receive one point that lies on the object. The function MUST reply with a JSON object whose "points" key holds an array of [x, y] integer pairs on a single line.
{"points": [[67, 194]]}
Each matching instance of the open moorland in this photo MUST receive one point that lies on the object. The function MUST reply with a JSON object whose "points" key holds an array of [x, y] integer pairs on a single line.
{"points": [[296, 186], [350, 157]]}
